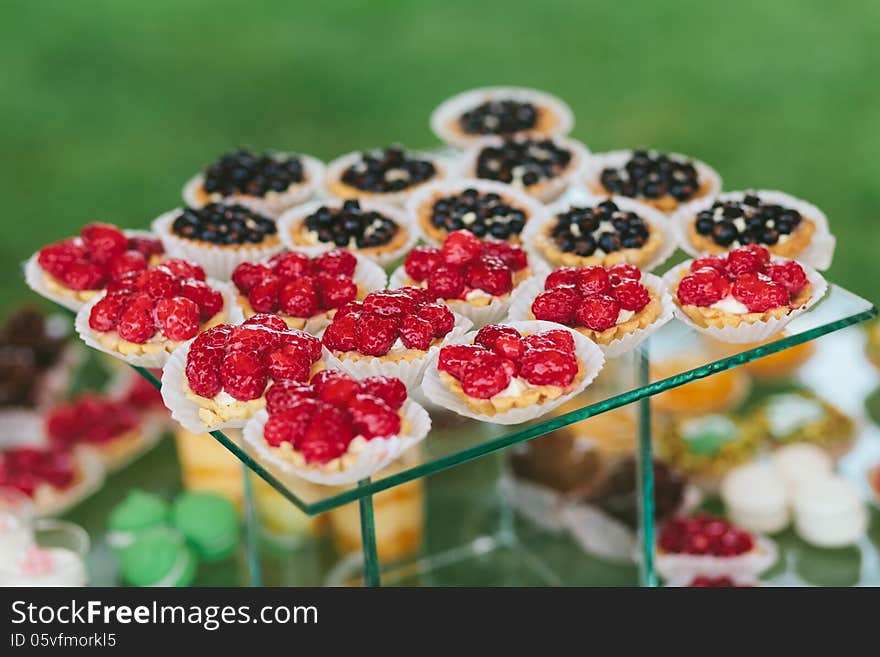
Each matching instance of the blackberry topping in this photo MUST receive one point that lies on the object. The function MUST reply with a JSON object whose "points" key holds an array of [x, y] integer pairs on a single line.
{"points": [[526, 161], [219, 223], [605, 228], [484, 214], [652, 175], [245, 172], [388, 170], [499, 117], [342, 225], [749, 221]]}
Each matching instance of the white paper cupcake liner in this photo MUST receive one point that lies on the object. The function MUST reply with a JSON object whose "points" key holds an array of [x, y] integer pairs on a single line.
{"points": [[445, 168], [367, 274], [580, 197], [449, 111], [295, 216], [521, 310], [492, 313], [517, 197], [150, 433], [818, 254], [541, 506], [91, 474], [598, 161], [747, 333], [410, 372], [22, 427], [218, 261], [684, 567], [370, 458], [55, 381], [548, 190], [588, 354], [157, 360], [273, 203], [34, 276], [599, 534]]}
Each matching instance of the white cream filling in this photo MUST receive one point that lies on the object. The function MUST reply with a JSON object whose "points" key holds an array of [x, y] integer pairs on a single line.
{"points": [[515, 388], [477, 294], [624, 315], [730, 306], [788, 413], [224, 398]]}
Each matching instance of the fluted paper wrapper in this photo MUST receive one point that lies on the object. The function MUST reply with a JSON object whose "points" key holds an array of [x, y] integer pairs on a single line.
{"points": [[517, 197], [580, 197], [90, 473], [547, 190], [367, 274], [521, 310], [218, 261], [680, 567], [273, 203], [592, 169], [445, 168], [542, 506], [294, 218], [150, 433], [157, 360], [818, 254], [492, 313], [450, 110], [34, 277], [756, 331], [588, 354], [410, 372], [369, 458]]}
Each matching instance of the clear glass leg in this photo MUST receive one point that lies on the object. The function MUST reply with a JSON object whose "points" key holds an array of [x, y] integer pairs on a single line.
{"points": [[647, 576], [368, 539]]}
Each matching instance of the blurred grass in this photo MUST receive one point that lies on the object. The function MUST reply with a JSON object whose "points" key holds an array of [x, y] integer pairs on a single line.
{"points": [[108, 107]]}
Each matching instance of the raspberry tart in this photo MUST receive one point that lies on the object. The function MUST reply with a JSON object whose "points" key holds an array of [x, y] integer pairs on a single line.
{"points": [[472, 115], [336, 429], [384, 174], [507, 374], [75, 270], [112, 428], [392, 333], [542, 167], [601, 231], [784, 225], [143, 317], [475, 277], [664, 181], [304, 291], [744, 296], [54, 478], [220, 379], [703, 545], [217, 236], [488, 209], [378, 231], [268, 183], [616, 307]]}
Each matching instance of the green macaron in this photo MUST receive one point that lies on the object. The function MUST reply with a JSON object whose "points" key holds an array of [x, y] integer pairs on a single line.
{"points": [[209, 522], [158, 557], [138, 512]]}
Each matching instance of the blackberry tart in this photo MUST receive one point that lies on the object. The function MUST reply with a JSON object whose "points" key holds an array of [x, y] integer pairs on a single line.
{"points": [[268, 183], [385, 174], [541, 166], [602, 231], [662, 180], [488, 209], [491, 111], [373, 229], [218, 236], [783, 224]]}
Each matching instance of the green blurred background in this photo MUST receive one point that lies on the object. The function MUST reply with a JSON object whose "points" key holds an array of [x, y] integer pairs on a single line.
{"points": [[106, 108]]}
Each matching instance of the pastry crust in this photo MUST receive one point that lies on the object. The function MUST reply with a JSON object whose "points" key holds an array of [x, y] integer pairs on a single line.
{"points": [[713, 317], [529, 397], [298, 234], [667, 203], [113, 342], [439, 235], [638, 257], [799, 239], [546, 124], [57, 287]]}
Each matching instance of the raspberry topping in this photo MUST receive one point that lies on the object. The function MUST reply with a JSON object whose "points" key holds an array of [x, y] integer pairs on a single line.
{"points": [[90, 418], [177, 318], [501, 353], [598, 312], [295, 285], [747, 275], [320, 419], [373, 326], [464, 264], [704, 535], [26, 468]]}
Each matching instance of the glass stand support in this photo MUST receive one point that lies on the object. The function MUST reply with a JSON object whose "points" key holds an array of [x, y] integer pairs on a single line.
{"points": [[645, 465], [368, 539]]}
